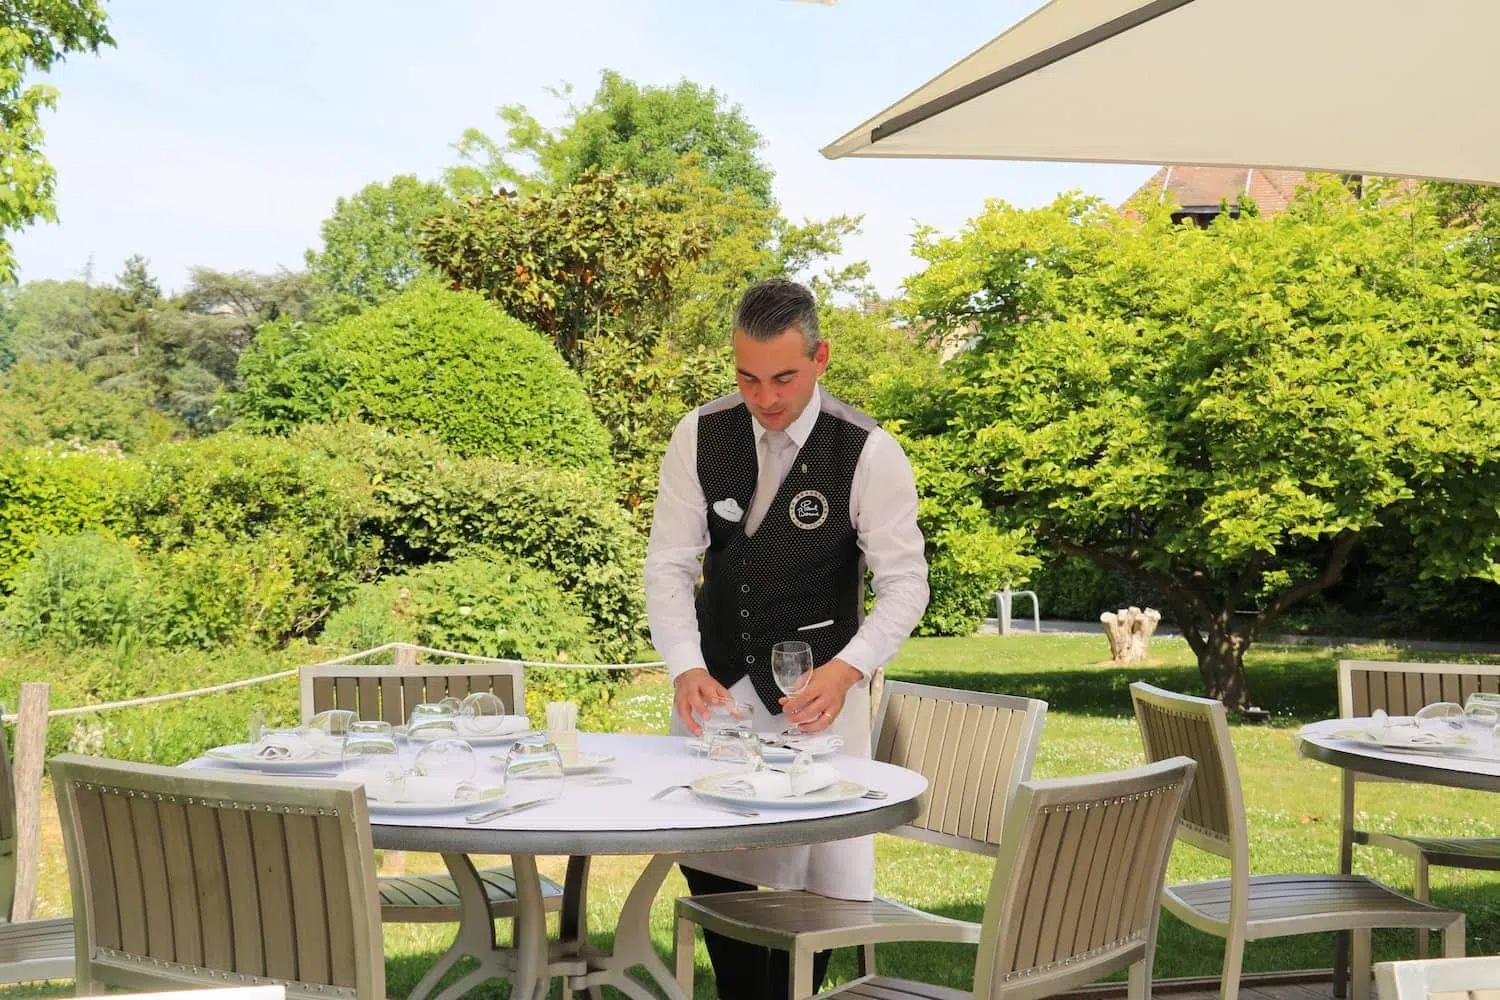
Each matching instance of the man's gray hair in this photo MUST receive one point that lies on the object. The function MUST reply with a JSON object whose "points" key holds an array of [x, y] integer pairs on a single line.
{"points": [[770, 307]]}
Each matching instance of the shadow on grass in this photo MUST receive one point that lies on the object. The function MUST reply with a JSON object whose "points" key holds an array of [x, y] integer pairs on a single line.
{"points": [[1293, 689]]}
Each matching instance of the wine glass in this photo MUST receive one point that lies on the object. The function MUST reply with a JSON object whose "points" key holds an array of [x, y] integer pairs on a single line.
{"points": [[534, 768], [442, 770], [791, 669], [1482, 712], [1443, 718], [325, 730], [370, 756], [482, 714], [432, 721], [735, 751]]}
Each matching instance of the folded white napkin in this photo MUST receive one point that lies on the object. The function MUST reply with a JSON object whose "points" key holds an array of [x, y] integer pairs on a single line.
{"points": [[422, 788], [492, 726], [769, 784], [814, 743], [294, 746]]}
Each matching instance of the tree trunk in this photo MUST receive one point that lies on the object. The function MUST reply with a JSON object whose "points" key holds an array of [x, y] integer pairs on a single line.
{"points": [[1221, 663], [1129, 633]]}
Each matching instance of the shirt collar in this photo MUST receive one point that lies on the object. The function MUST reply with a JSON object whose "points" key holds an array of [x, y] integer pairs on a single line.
{"points": [[800, 429]]}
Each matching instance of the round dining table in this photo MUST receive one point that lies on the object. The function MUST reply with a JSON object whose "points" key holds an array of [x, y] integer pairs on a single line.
{"points": [[1341, 742], [623, 799]]}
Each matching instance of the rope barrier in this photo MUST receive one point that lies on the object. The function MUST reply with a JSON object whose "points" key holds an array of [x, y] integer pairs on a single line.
{"points": [[157, 699]]}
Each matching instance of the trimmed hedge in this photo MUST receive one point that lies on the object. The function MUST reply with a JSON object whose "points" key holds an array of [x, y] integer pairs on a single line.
{"points": [[443, 362]]}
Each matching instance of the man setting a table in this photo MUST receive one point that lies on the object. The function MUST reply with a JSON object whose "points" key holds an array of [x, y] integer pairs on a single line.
{"points": [[781, 496]]}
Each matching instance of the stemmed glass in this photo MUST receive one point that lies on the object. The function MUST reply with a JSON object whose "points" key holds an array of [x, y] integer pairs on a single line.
{"points": [[791, 669], [482, 714]]}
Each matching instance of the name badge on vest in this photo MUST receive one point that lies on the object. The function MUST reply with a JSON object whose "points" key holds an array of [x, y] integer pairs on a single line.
{"points": [[808, 509]]}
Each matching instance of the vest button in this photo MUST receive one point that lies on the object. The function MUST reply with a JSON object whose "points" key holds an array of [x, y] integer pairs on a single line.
{"points": [[745, 636], [749, 659], [744, 612], [744, 588]]}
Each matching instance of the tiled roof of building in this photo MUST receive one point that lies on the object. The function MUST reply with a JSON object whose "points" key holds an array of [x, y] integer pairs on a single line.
{"points": [[1204, 188]]}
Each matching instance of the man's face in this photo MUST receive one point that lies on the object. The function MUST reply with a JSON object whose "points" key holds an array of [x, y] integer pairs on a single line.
{"points": [[776, 377]]}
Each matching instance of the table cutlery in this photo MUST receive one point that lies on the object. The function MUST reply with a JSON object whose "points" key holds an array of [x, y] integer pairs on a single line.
{"points": [[505, 810], [707, 805], [875, 793]]}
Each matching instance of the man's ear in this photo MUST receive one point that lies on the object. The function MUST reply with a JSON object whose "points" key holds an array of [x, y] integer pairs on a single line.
{"points": [[820, 356]]}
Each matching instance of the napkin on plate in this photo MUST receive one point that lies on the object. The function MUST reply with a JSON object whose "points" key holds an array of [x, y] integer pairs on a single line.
{"points": [[415, 788], [504, 726], [814, 743], [801, 779], [294, 746]]}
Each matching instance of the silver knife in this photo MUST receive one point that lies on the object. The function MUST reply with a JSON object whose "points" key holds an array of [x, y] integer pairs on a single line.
{"points": [[505, 810]]}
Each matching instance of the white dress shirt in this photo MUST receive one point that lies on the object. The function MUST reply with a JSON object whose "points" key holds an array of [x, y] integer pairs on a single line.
{"points": [[882, 511]]}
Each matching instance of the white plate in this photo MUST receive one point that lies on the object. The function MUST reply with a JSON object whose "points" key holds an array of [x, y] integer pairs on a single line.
{"points": [[776, 754], [440, 806], [1457, 743], [486, 740], [587, 762], [243, 755], [711, 786]]}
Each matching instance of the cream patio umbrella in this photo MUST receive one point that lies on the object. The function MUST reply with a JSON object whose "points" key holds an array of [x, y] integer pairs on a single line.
{"points": [[1390, 87]]}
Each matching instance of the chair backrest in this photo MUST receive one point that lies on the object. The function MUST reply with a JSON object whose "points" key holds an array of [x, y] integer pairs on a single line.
{"points": [[1180, 725], [1402, 688], [1075, 891], [1476, 978], [973, 748], [389, 690], [203, 878]]}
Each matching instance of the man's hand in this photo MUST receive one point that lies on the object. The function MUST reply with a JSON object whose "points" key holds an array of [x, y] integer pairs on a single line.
{"points": [[823, 698], [695, 691]]}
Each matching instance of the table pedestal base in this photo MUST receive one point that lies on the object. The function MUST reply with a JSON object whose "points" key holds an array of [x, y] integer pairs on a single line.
{"points": [[532, 961]]}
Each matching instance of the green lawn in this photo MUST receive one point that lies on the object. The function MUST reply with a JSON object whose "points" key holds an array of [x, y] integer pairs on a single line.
{"points": [[1292, 803]]}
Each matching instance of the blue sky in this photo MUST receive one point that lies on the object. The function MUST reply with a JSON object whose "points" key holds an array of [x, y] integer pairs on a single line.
{"points": [[220, 133]]}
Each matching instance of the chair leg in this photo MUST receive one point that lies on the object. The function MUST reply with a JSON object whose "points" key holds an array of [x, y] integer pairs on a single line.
{"points": [[867, 960], [1453, 939], [682, 952], [1359, 965], [1139, 987], [799, 974], [1234, 959], [1422, 890]]}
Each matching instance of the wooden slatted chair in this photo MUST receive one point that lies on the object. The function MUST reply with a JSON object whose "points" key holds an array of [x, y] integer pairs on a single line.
{"points": [[1074, 894], [198, 878], [1401, 689], [29, 949], [389, 691], [1247, 907], [973, 748], [1476, 978]]}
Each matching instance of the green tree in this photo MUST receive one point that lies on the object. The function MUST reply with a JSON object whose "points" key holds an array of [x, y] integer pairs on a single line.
{"points": [[642, 131], [35, 35], [46, 321], [1227, 413], [596, 256], [369, 248], [448, 363], [41, 403]]}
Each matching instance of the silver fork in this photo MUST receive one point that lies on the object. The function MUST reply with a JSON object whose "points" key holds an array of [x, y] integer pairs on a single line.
{"points": [[734, 810]]}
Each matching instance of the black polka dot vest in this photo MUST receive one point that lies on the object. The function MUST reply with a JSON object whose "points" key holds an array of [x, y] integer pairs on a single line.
{"points": [[800, 576]]}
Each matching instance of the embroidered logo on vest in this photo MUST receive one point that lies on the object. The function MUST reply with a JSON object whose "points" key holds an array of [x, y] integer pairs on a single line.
{"points": [[808, 509]]}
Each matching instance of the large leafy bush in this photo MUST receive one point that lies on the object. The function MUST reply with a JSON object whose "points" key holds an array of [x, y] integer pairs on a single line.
{"points": [[82, 590], [426, 505], [484, 604], [444, 362], [45, 493], [253, 537]]}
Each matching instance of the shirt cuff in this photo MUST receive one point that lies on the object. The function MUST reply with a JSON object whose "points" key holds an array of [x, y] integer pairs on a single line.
{"points": [[681, 658], [858, 654]]}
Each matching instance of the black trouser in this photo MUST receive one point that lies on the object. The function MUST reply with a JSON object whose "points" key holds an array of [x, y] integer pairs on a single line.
{"points": [[746, 971]]}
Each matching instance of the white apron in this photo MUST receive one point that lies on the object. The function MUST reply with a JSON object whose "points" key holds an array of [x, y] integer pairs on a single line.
{"points": [[844, 869]]}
